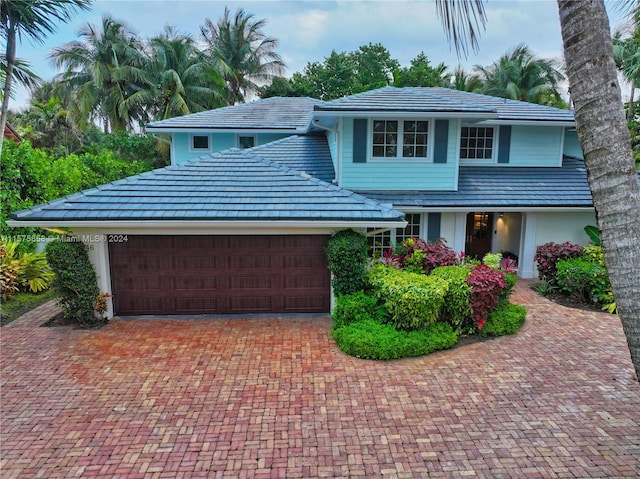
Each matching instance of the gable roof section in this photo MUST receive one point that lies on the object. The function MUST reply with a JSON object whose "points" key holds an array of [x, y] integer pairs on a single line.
{"points": [[444, 100], [504, 187], [277, 113], [233, 185], [309, 154]]}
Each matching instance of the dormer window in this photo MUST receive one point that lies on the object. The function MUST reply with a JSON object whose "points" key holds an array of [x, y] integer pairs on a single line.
{"points": [[477, 143], [400, 139], [200, 142]]}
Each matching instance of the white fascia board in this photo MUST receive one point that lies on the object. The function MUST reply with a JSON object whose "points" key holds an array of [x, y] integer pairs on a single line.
{"points": [[494, 209], [404, 114], [562, 123], [177, 226], [240, 131]]}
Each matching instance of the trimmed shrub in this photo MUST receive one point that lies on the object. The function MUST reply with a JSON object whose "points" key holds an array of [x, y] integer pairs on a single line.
{"points": [[456, 309], [437, 253], [370, 339], [347, 254], [486, 286], [356, 307], [586, 281], [75, 281], [593, 254], [492, 260], [510, 281], [548, 255], [506, 319], [412, 300]]}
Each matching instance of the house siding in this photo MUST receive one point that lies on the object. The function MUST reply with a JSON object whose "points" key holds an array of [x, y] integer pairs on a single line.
{"points": [[218, 142], [563, 226], [399, 174], [536, 146]]}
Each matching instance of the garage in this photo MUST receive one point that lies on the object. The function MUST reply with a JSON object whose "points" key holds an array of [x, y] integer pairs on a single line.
{"points": [[158, 275]]}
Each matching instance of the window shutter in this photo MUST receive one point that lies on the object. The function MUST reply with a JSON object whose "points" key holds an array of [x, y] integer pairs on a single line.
{"points": [[504, 144], [441, 138], [360, 140], [433, 226]]}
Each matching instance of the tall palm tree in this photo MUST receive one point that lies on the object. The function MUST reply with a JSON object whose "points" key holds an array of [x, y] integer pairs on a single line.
{"points": [[33, 19], [101, 71], [626, 53], [22, 74], [520, 75], [248, 55], [604, 137], [180, 79], [463, 81]]}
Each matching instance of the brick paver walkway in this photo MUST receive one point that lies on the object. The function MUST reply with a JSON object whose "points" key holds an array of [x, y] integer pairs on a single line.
{"points": [[275, 398]]}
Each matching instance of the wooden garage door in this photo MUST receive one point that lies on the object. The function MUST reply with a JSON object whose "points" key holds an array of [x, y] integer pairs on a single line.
{"points": [[220, 274]]}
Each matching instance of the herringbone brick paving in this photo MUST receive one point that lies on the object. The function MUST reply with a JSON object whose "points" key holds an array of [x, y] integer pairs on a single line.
{"points": [[275, 398]]}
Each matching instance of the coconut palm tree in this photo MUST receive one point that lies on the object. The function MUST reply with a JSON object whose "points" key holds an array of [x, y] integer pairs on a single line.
{"points": [[463, 81], [180, 79], [604, 137], [247, 54], [22, 74], [626, 53], [102, 70], [520, 75], [33, 19]]}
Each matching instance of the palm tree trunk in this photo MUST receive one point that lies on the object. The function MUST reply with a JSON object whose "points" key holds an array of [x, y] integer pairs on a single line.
{"points": [[11, 60], [631, 98], [604, 137]]}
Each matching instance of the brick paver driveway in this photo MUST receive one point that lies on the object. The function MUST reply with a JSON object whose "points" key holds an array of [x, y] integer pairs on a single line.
{"points": [[276, 398]]}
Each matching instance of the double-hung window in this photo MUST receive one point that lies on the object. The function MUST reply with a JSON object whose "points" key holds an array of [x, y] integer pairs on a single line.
{"points": [[477, 143], [400, 139], [381, 240]]}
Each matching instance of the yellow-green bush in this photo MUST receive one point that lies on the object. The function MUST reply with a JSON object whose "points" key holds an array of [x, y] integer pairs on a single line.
{"points": [[457, 308]]}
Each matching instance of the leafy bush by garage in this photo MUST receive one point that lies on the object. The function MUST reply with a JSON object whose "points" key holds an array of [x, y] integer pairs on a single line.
{"points": [[412, 300], [370, 339], [506, 319], [75, 281], [348, 254], [356, 307]]}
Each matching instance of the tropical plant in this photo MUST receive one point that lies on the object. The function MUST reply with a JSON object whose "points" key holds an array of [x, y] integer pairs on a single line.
{"points": [[25, 271], [101, 71], [520, 75], [604, 138], [347, 255], [548, 255], [33, 19], [626, 54], [247, 54], [593, 233]]}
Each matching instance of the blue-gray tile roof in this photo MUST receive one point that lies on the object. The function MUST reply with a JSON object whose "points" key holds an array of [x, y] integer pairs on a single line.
{"points": [[444, 100], [229, 185], [276, 113], [309, 154], [503, 187]]}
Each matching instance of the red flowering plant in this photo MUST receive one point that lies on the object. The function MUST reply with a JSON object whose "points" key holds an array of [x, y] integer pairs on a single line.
{"points": [[486, 286], [102, 304]]}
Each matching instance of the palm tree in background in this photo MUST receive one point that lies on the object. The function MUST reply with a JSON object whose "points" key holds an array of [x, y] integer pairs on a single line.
{"points": [[33, 19], [248, 56], [180, 79], [604, 137], [626, 53], [102, 70], [464, 81], [520, 75], [22, 74]]}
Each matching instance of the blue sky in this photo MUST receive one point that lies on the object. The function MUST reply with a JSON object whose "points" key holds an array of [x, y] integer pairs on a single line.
{"points": [[309, 30]]}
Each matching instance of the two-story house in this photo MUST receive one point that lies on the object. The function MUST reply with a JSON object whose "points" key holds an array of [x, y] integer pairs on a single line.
{"points": [[239, 222]]}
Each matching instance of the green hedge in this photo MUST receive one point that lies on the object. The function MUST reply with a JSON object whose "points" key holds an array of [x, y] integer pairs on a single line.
{"points": [[583, 279], [369, 339], [457, 308], [348, 254], [356, 307], [506, 319], [412, 300]]}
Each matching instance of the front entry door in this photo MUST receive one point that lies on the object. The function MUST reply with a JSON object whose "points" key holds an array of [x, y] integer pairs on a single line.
{"points": [[478, 237]]}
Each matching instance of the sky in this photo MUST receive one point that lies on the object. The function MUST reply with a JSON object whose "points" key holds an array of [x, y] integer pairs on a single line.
{"points": [[309, 30]]}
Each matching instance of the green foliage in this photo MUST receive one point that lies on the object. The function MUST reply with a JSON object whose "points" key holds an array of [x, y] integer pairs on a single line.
{"points": [[544, 287], [548, 255], [75, 281], [414, 263], [22, 271], [356, 307], [421, 73], [506, 319], [583, 280], [369, 339], [347, 254], [593, 233], [412, 300], [22, 303], [609, 303], [32, 176], [593, 254], [510, 283], [492, 260], [129, 147], [456, 309]]}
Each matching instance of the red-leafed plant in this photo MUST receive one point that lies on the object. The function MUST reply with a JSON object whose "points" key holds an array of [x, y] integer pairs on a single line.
{"points": [[437, 253], [486, 286], [548, 255]]}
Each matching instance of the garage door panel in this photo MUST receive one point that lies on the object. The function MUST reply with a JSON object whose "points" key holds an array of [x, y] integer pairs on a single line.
{"points": [[220, 274]]}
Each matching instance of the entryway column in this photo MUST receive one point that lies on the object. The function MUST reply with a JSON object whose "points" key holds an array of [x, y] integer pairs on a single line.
{"points": [[460, 231], [527, 267]]}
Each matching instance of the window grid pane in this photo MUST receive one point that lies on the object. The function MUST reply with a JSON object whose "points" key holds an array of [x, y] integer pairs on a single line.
{"points": [[200, 142], [379, 242], [385, 138], [476, 143], [415, 139], [412, 230]]}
